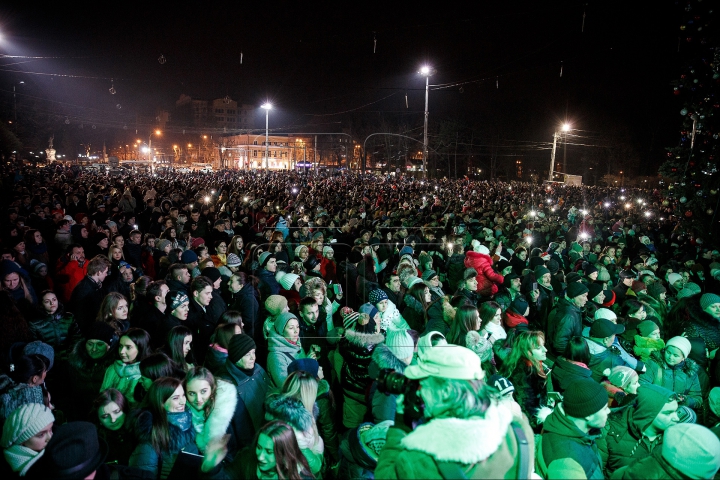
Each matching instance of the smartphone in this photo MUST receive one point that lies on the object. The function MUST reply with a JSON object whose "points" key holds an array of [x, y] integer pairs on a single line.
{"points": [[554, 398], [337, 288]]}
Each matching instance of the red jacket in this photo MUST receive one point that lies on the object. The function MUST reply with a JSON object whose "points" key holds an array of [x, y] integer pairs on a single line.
{"points": [[488, 280], [67, 276]]}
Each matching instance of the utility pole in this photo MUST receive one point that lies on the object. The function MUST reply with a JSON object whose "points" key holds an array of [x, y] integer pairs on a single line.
{"points": [[456, 144], [552, 157]]}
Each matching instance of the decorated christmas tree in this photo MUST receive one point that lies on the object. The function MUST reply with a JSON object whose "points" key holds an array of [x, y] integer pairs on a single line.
{"points": [[691, 170]]}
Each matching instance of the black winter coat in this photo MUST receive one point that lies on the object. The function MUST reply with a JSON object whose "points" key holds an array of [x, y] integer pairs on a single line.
{"points": [[356, 349]]}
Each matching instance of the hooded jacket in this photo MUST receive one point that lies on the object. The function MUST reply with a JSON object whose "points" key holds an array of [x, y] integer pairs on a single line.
{"points": [[651, 467], [565, 373], [481, 447], [280, 354], [122, 377], [392, 319], [564, 446], [603, 359], [356, 349], [488, 280], [358, 459], [623, 441], [681, 378], [218, 421], [564, 323], [383, 404]]}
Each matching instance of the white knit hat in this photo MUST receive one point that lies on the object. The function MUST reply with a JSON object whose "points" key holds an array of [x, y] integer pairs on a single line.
{"points": [[286, 280], [681, 343], [605, 313], [25, 422], [400, 343]]}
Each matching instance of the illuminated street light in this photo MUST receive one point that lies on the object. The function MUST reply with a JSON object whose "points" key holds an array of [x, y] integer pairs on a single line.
{"points": [[267, 106], [426, 71], [565, 128]]}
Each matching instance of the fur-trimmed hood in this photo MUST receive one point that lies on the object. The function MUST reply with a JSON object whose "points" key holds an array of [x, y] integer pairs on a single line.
{"points": [[365, 340], [689, 366], [467, 441], [384, 358], [278, 343], [221, 415], [288, 410]]}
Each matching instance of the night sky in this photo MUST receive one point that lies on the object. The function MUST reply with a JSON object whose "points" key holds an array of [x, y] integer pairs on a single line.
{"points": [[497, 65]]}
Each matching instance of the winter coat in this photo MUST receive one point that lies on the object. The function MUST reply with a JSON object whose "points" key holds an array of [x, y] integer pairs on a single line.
{"points": [[281, 353], [122, 377], [644, 347], [358, 460], [623, 441], [85, 301], [182, 439], [247, 304], [414, 313], [481, 447], [215, 358], [249, 413], [52, 329], [218, 422], [356, 349], [85, 376], [455, 269], [383, 404], [694, 322], [564, 448], [326, 420], [121, 443], [293, 412], [565, 373], [530, 391], [649, 468], [564, 323], [488, 280], [545, 304], [681, 378], [268, 285], [67, 275], [391, 319]]}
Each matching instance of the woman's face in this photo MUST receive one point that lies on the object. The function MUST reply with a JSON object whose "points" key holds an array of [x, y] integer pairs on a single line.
{"points": [[199, 392], [319, 297], [539, 353], [222, 248], [111, 416], [103, 244], [38, 237], [173, 233], [640, 314], [50, 303], [120, 242], [382, 305], [673, 356], [176, 402], [265, 453], [187, 345], [304, 254], [11, 281], [239, 244], [84, 232], [128, 350], [292, 330], [96, 349], [633, 387], [117, 254], [181, 312], [39, 441], [497, 319], [121, 310], [20, 247]]}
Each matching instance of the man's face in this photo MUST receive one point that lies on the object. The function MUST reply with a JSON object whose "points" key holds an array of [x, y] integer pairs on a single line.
{"points": [[667, 417], [164, 289], [515, 284], [580, 300], [394, 284], [184, 276], [103, 275], [309, 313], [203, 296], [79, 254], [271, 265], [136, 238], [599, 419], [195, 216]]}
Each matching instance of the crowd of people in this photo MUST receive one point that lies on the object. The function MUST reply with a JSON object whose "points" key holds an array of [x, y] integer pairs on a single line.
{"points": [[285, 325]]}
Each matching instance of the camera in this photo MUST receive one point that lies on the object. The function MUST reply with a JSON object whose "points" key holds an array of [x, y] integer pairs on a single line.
{"points": [[393, 383]]}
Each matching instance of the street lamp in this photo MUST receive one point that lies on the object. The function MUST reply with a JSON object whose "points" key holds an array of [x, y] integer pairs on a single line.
{"points": [[267, 106], [426, 71], [565, 128]]}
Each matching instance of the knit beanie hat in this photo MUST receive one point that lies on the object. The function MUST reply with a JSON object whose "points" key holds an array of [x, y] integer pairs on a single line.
{"points": [[709, 299], [19, 396], [188, 256], [196, 242], [519, 305], [102, 331], [572, 277], [160, 245], [406, 250], [603, 275], [239, 346], [286, 280], [589, 269], [282, 320], [400, 343], [685, 293], [673, 277], [540, 270], [656, 289], [175, 298], [275, 304], [309, 365], [233, 260], [368, 308], [584, 397], [650, 401], [327, 249], [638, 287], [211, 272], [503, 385], [349, 317], [693, 287], [575, 289], [24, 423], [469, 273], [594, 290], [298, 249], [647, 327], [553, 266], [692, 449], [681, 343], [412, 280], [376, 296], [686, 414], [621, 376], [429, 274], [39, 348]]}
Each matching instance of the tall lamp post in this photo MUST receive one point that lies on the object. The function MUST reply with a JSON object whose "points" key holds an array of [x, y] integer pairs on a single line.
{"points": [[564, 129], [267, 106], [426, 71]]}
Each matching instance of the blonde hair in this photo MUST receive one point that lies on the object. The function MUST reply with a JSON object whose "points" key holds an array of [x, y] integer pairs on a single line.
{"points": [[301, 386]]}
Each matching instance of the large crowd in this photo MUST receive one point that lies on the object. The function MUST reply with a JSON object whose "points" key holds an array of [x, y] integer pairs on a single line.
{"points": [[287, 325]]}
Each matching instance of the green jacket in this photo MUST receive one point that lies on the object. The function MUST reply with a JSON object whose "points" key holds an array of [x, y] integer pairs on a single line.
{"points": [[649, 468], [480, 447]]}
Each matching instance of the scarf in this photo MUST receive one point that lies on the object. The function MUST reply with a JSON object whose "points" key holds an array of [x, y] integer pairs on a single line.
{"points": [[21, 458], [38, 248]]}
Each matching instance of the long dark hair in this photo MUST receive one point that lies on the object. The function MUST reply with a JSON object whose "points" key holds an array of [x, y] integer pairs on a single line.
{"points": [[159, 392], [107, 397], [141, 339], [288, 456], [175, 339], [466, 319]]}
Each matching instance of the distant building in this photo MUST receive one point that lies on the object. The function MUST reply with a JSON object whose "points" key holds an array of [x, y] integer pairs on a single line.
{"points": [[247, 151], [218, 113]]}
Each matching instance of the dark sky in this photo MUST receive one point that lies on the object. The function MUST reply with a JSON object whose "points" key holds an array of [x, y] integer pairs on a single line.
{"points": [[498, 63]]}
